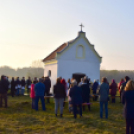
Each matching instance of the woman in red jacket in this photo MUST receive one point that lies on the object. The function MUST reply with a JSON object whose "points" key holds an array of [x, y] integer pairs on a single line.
{"points": [[32, 95]]}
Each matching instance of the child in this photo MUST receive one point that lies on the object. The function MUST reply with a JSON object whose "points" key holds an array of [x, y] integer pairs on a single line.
{"points": [[32, 95], [69, 101]]}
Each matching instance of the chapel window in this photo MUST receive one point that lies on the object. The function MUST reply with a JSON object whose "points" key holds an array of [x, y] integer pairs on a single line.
{"points": [[80, 52], [49, 73]]}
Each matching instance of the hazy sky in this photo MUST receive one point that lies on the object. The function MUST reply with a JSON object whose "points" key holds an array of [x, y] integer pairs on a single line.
{"points": [[31, 29]]}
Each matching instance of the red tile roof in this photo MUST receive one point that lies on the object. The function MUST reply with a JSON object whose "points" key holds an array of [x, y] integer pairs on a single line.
{"points": [[53, 54]]}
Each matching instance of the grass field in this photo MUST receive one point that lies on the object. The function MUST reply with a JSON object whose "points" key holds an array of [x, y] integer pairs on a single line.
{"points": [[19, 118]]}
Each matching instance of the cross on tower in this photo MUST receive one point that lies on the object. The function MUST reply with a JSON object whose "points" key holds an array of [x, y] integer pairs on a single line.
{"points": [[81, 26]]}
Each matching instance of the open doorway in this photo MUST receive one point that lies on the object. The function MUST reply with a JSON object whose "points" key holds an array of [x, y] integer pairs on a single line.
{"points": [[78, 76]]}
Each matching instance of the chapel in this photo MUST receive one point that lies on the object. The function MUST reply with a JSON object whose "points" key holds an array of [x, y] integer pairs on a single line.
{"points": [[75, 58]]}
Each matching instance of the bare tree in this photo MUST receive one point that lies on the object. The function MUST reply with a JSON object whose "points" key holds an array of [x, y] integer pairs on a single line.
{"points": [[36, 69]]}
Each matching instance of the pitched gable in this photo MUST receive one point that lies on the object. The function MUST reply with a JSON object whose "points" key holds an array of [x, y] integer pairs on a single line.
{"points": [[53, 54], [65, 46]]}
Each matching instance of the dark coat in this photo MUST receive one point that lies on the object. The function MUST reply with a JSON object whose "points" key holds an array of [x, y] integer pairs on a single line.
{"points": [[12, 85], [47, 83], [35, 81], [3, 86], [104, 92], [122, 87], [128, 101], [23, 83], [76, 95], [94, 87], [113, 89], [17, 82], [59, 91], [85, 92], [28, 82]]}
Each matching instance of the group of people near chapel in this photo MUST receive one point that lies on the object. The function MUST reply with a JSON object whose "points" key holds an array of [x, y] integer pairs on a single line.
{"points": [[18, 86], [61, 90], [78, 95], [126, 89]]}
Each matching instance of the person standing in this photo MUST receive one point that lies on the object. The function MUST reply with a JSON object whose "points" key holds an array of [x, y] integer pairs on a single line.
{"points": [[94, 88], [104, 92], [47, 83], [69, 99], [3, 90], [85, 93], [68, 83], [128, 101], [17, 86], [123, 85], [80, 83], [32, 94], [66, 89], [113, 89], [12, 87], [28, 83], [76, 98], [23, 83], [39, 94], [119, 87], [59, 95], [35, 80]]}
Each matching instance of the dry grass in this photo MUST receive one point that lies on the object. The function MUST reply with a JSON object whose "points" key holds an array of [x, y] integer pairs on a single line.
{"points": [[19, 118]]}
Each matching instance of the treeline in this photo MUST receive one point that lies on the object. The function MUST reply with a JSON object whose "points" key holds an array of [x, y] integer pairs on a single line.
{"points": [[22, 72], [116, 74], [39, 71]]}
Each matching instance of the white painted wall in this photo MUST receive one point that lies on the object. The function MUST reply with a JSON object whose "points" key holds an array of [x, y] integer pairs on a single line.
{"points": [[70, 54], [67, 68], [53, 68], [69, 64]]}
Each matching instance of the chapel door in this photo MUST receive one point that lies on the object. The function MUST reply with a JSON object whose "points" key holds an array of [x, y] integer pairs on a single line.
{"points": [[78, 76]]}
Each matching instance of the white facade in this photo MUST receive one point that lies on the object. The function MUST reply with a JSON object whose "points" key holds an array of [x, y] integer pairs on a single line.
{"points": [[53, 68], [78, 57]]}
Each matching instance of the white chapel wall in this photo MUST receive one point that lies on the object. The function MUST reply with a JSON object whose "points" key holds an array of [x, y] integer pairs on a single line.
{"points": [[53, 69], [67, 68], [69, 62]]}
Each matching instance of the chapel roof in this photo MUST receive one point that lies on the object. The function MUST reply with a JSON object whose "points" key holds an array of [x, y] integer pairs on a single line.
{"points": [[53, 54]]}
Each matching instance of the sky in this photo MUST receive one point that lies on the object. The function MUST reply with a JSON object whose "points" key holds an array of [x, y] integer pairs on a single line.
{"points": [[31, 29]]}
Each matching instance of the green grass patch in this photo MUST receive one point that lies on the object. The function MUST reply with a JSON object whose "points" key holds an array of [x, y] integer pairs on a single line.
{"points": [[19, 118]]}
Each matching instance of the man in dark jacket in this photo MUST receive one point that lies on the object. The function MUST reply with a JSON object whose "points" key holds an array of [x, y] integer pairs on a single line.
{"points": [[17, 86], [23, 83], [12, 87], [35, 80], [28, 83], [3, 90], [76, 98], [85, 93], [47, 83], [94, 88]]}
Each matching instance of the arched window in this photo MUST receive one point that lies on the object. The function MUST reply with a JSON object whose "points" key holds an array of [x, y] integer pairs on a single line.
{"points": [[49, 73], [80, 52]]}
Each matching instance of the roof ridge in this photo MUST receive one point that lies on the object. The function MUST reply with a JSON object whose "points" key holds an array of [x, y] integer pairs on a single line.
{"points": [[53, 54]]}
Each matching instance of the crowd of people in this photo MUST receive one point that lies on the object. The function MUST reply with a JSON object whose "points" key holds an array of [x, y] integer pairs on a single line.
{"points": [[78, 94]]}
